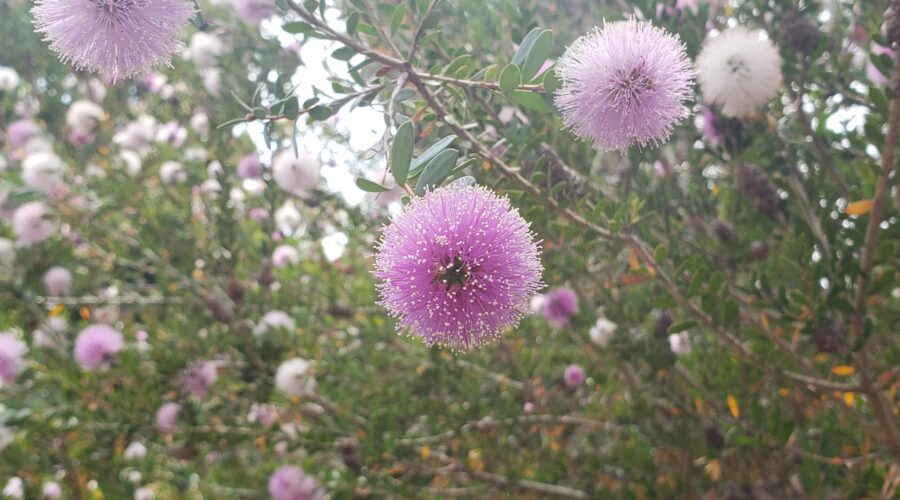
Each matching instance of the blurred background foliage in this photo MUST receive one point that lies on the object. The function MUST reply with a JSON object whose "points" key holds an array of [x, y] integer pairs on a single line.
{"points": [[802, 406]]}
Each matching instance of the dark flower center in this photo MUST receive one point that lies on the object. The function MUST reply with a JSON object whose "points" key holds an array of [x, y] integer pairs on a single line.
{"points": [[455, 272], [628, 86], [736, 65], [117, 8]]}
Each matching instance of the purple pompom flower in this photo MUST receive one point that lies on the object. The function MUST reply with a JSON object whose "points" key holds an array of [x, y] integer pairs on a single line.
{"points": [[574, 375], [117, 38], [559, 306], [167, 417], [249, 167], [624, 83], [198, 377], [96, 345], [11, 352], [291, 483], [457, 267]]}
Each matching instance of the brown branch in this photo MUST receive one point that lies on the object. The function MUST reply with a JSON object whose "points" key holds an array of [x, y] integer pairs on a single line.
{"points": [[883, 408]]}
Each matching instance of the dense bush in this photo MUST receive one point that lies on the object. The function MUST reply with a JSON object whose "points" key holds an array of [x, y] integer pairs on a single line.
{"points": [[720, 306]]}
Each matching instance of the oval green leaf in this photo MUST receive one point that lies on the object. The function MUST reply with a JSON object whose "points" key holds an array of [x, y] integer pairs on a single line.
{"points": [[436, 171], [401, 152]]}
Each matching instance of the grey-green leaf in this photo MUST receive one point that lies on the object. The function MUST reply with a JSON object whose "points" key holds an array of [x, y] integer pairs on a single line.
{"points": [[525, 46], [291, 109], [369, 186], [397, 18], [510, 78], [401, 152], [540, 51], [436, 171], [419, 163]]}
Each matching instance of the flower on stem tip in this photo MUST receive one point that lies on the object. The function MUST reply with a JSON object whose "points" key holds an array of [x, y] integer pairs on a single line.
{"points": [[458, 267], [624, 83], [117, 38]]}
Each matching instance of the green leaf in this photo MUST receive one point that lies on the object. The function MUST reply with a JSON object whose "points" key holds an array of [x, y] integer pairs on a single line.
{"points": [[369, 186], [879, 99], [343, 54], [540, 51], [229, 123], [552, 83], [458, 63], [530, 100], [525, 46], [319, 113], [419, 163], [510, 78], [436, 171], [401, 152], [680, 327], [730, 312], [291, 108], [298, 27], [367, 29], [659, 254], [397, 17]]}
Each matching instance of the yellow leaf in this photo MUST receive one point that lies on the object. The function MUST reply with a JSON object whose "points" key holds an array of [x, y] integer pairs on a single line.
{"points": [[57, 310], [633, 260], [843, 370], [849, 397], [860, 207], [426, 452], [784, 392], [733, 406]]}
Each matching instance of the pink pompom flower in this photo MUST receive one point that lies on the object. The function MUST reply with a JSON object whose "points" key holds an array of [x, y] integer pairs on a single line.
{"points": [[12, 350], [198, 377], [284, 256], [249, 167], [58, 281], [96, 345], [458, 267], [20, 131], [167, 417], [624, 83], [574, 375], [117, 38], [559, 306], [30, 223], [291, 483]]}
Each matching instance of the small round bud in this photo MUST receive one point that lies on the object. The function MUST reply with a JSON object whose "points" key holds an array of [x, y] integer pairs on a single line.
{"points": [[800, 32], [663, 322], [723, 230], [714, 438], [759, 250]]}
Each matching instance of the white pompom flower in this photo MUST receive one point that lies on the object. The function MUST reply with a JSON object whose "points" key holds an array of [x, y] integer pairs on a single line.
{"points": [[739, 71], [294, 378], [295, 174]]}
